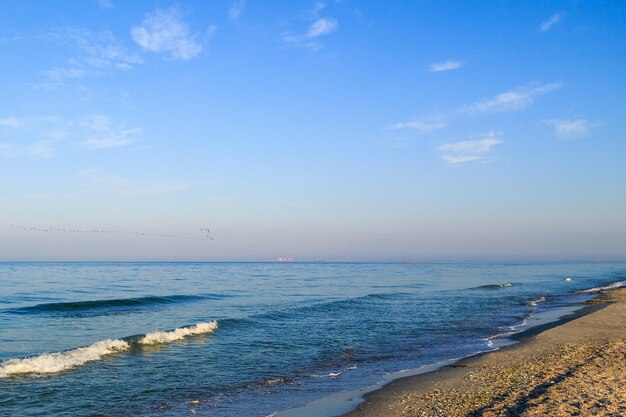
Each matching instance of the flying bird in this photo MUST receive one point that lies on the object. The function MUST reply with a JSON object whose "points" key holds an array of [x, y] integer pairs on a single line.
{"points": [[102, 231], [208, 233]]}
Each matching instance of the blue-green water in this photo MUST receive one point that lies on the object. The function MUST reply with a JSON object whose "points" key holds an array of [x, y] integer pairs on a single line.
{"points": [[286, 334]]}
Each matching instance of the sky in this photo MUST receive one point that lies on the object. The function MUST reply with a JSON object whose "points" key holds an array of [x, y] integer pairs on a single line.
{"points": [[337, 130]]}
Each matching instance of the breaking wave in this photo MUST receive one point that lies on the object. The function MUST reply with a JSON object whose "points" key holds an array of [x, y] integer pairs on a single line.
{"points": [[612, 286], [536, 301], [178, 334], [50, 363]]}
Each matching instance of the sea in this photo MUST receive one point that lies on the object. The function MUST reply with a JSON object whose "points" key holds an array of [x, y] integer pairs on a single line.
{"points": [[258, 339]]}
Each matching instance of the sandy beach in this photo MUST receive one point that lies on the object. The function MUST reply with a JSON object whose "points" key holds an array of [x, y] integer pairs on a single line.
{"points": [[576, 368]]}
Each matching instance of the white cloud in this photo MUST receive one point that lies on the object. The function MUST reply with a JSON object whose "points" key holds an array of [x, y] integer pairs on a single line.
{"points": [[43, 148], [569, 129], [317, 8], [106, 4], [113, 139], [512, 100], [13, 38], [41, 136], [100, 133], [322, 27], [33, 137], [423, 125], [40, 149], [89, 172], [8, 149], [301, 41], [445, 66], [236, 8], [97, 54], [165, 31], [469, 150], [10, 122], [63, 73], [553, 20]]}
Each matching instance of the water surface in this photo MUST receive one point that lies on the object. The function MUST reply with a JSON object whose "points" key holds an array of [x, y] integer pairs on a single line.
{"points": [[286, 334]]}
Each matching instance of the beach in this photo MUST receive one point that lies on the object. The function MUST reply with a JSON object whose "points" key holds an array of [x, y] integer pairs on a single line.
{"points": [[574, 368]]}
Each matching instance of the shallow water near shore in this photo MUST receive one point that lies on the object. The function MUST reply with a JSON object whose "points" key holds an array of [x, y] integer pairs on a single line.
{"points": [[252, 339]]}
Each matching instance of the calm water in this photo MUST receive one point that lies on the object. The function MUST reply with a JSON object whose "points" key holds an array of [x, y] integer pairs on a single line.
{"points": [[286, 334]]}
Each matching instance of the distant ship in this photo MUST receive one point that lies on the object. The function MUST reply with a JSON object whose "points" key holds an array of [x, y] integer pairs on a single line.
{"points": [[281, 259]]}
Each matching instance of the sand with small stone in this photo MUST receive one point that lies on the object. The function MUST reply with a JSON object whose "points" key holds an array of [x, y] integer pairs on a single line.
{"points": [[575, 369]]}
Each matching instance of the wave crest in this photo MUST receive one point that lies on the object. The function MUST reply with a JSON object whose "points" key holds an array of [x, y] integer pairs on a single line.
{"points": [[49, 363], [536, 301], [178, 334], [612, 286], [81, 307], [493, 286]]}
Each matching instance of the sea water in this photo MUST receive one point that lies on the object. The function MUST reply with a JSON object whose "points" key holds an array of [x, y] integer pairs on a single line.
{"points": [[253, 339]]}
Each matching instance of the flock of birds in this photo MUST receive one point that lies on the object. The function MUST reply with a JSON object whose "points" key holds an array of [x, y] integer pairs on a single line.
{"points": [[114, 232]]}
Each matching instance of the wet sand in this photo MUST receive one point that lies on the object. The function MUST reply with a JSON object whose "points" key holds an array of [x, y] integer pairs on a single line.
{"points": [[574, 368]]}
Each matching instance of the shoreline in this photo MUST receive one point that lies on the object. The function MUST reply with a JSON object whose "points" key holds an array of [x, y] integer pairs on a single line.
{"points": [[504, 382], [346, 402]]}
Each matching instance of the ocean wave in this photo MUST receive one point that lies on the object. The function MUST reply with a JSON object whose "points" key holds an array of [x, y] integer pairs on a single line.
{"points": [[337, 305], [493, 286], [156, 338], [344, 303], [50, 363], [77, 307], [611, 286], [536, 301]]}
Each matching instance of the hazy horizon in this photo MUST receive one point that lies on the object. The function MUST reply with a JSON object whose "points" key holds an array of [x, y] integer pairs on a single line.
{"points": [[338, 130]]}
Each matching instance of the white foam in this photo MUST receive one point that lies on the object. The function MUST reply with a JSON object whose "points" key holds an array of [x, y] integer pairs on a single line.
{"points": [[612, 286], [49, 363], [157, 338], [332, 375], [533, 303]]}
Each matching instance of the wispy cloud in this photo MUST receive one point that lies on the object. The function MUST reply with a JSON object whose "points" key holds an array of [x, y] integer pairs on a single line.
{"points": [[319, 26], [41, 149], [469, 150], [41, 137], [106, 4], [517, 99], [96, 54], [235, 10], [300, 41], [322, 26], [553, 20], [421, 125], [15, 38], [444, 66], [100, 133], [569, 129], [165, 31], [35, 137], [10, 122], [69, 73]]}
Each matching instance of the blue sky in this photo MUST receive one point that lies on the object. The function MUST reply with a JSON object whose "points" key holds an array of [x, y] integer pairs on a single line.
{"points": [[338, 130]]}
